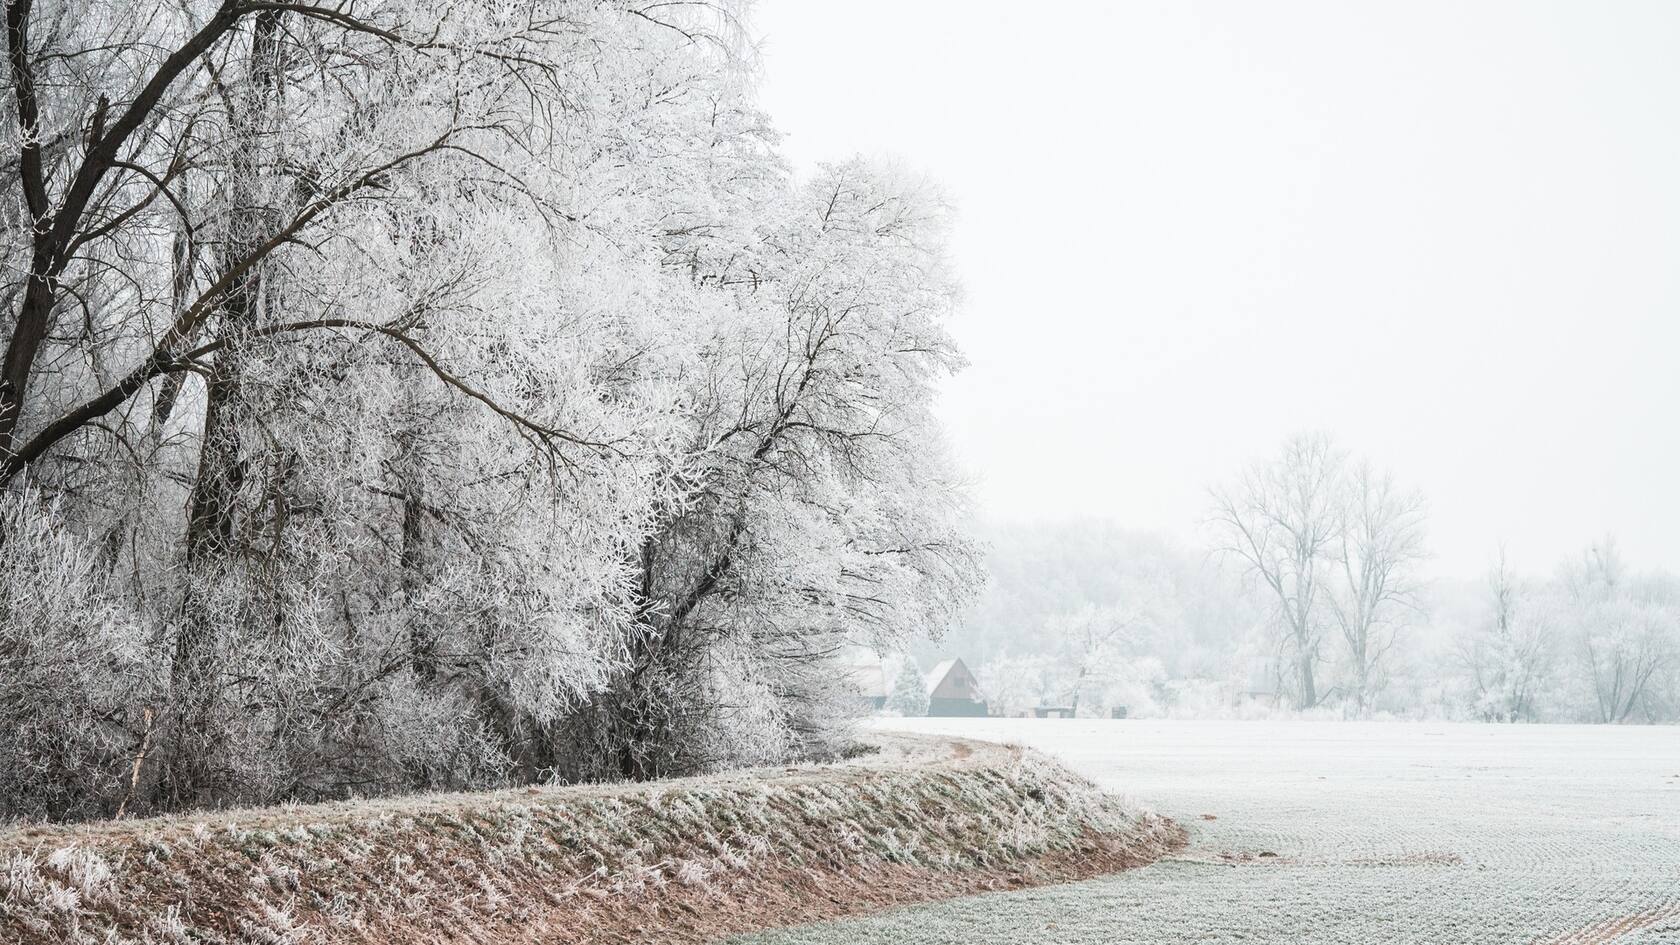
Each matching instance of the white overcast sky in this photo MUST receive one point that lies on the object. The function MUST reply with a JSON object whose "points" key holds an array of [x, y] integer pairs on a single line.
{"points": [[1446, 232]]}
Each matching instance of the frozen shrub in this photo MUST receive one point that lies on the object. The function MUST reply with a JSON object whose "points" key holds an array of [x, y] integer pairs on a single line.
{"points": [[76, 670]]}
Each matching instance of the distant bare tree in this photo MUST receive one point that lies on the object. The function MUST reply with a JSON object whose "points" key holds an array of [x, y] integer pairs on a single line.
{"points": [[1015, 683], [1091, 639], [1627, 630], [1510, 658], [1377, 554], [1283, 519]]}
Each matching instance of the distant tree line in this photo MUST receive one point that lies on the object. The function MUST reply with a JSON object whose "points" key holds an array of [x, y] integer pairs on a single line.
{"points": [[419, 396], [1335, 547], [1594, 643], [1091, 614], [1309, 601]]}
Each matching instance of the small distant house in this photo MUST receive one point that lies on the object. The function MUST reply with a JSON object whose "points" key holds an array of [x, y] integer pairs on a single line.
{"points": [[870, 682], [1053, 712], [953, 691]]}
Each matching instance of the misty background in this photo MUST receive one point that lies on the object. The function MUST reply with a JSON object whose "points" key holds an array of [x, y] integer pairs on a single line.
{"points": [[1440, 234]]}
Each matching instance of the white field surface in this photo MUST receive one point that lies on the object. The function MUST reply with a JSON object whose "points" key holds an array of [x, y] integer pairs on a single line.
{"points": [[1426, 833]]}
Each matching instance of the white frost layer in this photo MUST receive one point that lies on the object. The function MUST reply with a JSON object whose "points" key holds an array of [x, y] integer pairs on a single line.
{"points": [[1409, 833]]}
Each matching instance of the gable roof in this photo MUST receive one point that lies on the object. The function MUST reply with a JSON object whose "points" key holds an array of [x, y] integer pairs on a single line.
{"points": [[937, 676], [941, 671]]}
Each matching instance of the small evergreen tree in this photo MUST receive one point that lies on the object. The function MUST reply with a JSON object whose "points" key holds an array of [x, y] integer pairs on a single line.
{"points": [[909, 696]]}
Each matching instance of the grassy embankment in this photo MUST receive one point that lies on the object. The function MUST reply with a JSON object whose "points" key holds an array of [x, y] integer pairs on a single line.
{"points": [[688, 860]]}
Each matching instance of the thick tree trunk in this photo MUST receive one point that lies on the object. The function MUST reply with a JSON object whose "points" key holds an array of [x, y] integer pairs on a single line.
{"points": [[34, 313], [31, 331], [422, 648], [1304, 675], [56, 229], [212, 518], [221, 467]]}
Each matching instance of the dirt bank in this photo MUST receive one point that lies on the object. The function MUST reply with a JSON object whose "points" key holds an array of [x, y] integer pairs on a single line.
{"points": [[688, 860]]}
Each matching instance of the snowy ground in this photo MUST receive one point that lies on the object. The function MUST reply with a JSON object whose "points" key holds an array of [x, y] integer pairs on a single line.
{"points": [[1356, 833]]}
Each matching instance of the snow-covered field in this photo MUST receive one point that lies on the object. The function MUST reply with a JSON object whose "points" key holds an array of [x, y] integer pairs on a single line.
{"points": [[1357, 833]]}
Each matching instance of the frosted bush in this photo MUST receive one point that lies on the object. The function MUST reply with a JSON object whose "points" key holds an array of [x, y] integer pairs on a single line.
{"points": [[76, 669]]}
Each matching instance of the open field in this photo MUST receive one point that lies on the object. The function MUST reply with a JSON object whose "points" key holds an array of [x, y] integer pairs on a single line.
{"points": [[1356, 833]]}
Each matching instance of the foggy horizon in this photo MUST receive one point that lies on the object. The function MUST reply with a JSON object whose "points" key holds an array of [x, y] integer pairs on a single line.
{"points": [[1187, 232]]}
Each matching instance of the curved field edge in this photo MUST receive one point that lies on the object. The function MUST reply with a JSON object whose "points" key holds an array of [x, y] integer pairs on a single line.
{"points": [[687, 860]]}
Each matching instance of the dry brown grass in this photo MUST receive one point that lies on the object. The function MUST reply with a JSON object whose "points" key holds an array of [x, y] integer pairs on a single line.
{"points": [[680, 861]]}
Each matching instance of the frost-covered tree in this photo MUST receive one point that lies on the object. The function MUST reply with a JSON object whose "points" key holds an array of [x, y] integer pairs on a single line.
{"points": [[1510, 655], [1014, 684], [1283, 520], [909, 696], [437, 395], [1376, 555], [255, 247], [1626, 629], [1095, 642], [1597, 642], [1335, 544], [811, 506]]}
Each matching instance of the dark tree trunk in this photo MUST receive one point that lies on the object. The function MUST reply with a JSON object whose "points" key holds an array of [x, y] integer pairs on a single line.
{"points": [[55, 229], [1304, 672], [422, 646], [213, 507]]}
